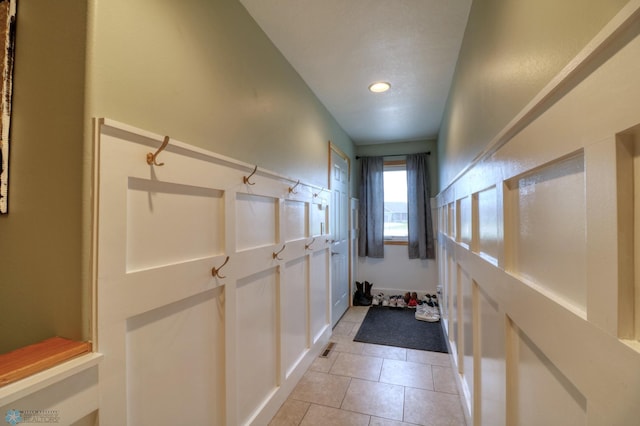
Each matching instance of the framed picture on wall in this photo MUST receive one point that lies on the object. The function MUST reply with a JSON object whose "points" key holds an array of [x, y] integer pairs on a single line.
{"points": [[7, 47]]}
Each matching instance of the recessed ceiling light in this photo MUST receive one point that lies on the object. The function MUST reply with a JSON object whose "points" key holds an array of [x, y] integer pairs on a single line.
{"points": [[379, 87]]}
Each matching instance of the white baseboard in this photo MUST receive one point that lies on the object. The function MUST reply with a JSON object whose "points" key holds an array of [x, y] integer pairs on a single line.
{"points": [[395, 292]]}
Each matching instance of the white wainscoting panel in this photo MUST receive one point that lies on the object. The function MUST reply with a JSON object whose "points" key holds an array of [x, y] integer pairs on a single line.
{"points": [[491, 361], [627, 175], [251, 210], [466, 220], [192, 220], [319, 289], [450, 290], [295, 312], [257, 339], [548, 222], [538, 250], [455, 318], [204, 284], [451, 220], [488, 230], [182, 344], [539, 383], [296, 219], [466, 326], [317, 219]]}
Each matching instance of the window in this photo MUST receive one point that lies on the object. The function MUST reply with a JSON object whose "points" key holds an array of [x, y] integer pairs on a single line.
{"points": [[396, 230]]}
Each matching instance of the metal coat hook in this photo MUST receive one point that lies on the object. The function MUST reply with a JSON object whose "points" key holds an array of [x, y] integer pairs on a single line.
{"points": [[319, 192], [151, 158], [245, 179], [308, 246], [292, 188], [275, 255], [216, 271]]}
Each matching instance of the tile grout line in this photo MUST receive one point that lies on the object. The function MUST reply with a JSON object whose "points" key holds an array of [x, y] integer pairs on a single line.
{"points": [[433, 378], [345, 392], [404, 401], [380, 372], [305, 414]]}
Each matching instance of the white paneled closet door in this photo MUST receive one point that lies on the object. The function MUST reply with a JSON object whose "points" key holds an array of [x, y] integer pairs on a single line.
{"points": [[339, 224], [212, 283]]}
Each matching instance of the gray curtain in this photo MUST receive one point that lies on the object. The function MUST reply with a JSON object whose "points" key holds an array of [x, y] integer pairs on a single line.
{"points": [[371, 241], [421, 244]]}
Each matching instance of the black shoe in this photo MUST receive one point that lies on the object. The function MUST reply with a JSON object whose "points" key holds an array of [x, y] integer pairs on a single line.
{"points": [[367, 290]]}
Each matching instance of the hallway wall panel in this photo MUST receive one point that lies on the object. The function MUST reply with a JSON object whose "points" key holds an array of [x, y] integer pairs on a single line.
{"points": [[536, 251], [163, 345], [319, 293], [205, 283], [295, 302], [256, 333], [547, 208]]}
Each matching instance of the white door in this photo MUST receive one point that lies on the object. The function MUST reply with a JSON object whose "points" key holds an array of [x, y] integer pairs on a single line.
{"points": [[339, 224]]}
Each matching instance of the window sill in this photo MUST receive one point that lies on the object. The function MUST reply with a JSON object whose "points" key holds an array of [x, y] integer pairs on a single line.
{"points": [[24, 362], [395, 243]]}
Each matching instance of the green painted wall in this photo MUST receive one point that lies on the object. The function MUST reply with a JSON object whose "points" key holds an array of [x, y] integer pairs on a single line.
{"points": [[511, 50], [204, 73], [41, 287], [200, 71]]}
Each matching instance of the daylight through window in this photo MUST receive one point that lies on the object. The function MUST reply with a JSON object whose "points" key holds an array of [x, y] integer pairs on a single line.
{"points": [[395, 201]]}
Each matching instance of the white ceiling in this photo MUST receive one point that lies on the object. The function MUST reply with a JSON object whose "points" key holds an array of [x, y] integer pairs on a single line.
{"points": [[339, 47]]}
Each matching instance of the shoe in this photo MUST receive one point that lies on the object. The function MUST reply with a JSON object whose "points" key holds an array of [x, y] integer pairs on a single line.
{"points": [[378, 300], [393, 302], [436, 307], [428, 312], [400, 302], [430, 300], [413, 300], [367, 290], [359, 298], [385, 301], [364, 301], [427, 316]]}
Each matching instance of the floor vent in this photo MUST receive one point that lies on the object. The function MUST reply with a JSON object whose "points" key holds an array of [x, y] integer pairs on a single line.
{"points": [[327, 350]]}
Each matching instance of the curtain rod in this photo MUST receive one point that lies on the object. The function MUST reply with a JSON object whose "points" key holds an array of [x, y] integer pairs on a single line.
{"points": [[394, 155]]}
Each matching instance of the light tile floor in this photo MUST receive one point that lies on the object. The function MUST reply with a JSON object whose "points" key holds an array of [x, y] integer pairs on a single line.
{"points": [[363, 384]]}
